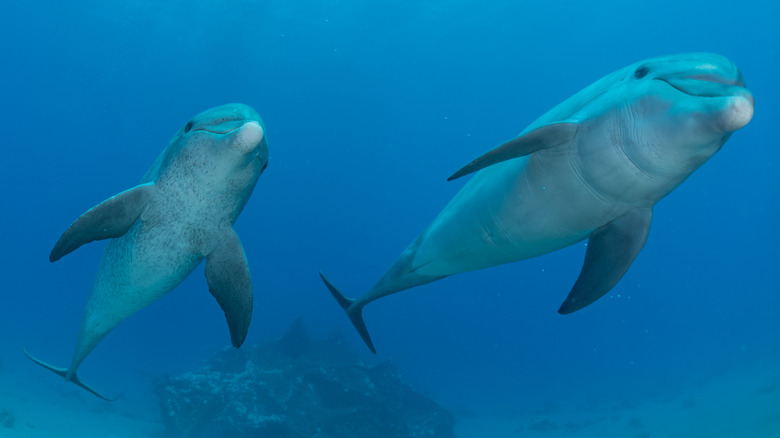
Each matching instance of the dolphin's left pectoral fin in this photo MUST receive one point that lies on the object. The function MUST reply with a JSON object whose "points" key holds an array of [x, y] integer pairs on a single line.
{"points": [[111, 218], [227, 274], [611, 250], [546, 137]]}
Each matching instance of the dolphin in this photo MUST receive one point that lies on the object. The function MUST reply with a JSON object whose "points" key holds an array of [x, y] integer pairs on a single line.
{"points": [[182, 212], [591, 168]]}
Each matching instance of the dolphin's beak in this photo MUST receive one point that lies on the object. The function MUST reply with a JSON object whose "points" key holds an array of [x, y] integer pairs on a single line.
{"points": [[735, 107], [704, 75]]}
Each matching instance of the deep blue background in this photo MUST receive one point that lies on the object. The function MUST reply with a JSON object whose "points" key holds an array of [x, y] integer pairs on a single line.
{"points": [[368, 107]]}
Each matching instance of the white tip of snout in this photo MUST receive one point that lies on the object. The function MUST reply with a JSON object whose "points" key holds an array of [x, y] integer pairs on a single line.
{"points": [[739, 112], [249, 136]]}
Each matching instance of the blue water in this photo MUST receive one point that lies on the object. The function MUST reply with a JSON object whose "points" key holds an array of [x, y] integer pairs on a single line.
{"points": [[368, 107]]}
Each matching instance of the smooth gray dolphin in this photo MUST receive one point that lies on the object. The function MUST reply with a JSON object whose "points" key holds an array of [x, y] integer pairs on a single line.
{"points": [[182, 212], [592, 167]]}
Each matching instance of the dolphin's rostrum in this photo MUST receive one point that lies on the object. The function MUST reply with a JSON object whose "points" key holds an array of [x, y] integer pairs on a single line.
{"points": [[591, 168], [182, 212]]}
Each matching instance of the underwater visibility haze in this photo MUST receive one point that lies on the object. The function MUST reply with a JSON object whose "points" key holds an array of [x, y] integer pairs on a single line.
{"points": [[368, 108]]}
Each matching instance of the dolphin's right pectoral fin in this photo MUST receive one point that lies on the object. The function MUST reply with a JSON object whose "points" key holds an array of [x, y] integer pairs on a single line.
{"points": [[111, 218], [227, 274], [354, 311], [611, 250], [545, 137], [63, 372]]}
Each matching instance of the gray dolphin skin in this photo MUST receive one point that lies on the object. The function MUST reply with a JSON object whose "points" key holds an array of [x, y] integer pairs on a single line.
{"points": [[591, 168], [182, 212]]}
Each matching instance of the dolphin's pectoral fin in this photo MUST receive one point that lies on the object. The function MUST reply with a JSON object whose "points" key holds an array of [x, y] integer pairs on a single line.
{"points": [[227, 274], [111, 218], [414, 269], [354, 311], [546, 137], [63, 372], [611, 250]]}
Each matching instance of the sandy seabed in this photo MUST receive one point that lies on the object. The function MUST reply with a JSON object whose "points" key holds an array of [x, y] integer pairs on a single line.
{"points": [[736, 405]]}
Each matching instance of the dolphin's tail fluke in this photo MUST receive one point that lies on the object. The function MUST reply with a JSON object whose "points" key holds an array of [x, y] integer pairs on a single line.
{"points": [[63, 372], [354, 311]]}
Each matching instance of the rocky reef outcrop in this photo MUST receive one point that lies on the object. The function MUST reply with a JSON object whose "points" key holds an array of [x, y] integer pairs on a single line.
{"points": [[297, 387]]}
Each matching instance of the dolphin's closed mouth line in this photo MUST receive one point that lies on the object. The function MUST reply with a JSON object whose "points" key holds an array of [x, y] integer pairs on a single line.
{"points": [[226, 131], [221, 122], [709, 88], [718, 80], [674, 86]]}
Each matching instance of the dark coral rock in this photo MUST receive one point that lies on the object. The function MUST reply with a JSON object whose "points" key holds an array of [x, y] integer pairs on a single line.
{"points": [[297, 387]]}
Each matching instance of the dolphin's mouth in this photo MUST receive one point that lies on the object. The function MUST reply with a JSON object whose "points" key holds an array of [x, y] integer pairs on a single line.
{"points": [[219, 131], [706, 85], [222, 126], [215, 131]]}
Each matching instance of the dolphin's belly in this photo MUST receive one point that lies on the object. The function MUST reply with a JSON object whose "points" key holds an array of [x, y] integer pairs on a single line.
{"points": [[511, 211], [138, 269], [160, 250]]}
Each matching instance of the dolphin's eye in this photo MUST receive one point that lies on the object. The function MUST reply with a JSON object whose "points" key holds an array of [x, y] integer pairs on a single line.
{"points": [[641, 72], [188, 127]]}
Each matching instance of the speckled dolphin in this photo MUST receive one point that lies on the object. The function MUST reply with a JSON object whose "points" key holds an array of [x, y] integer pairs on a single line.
{"points": [[182, 212], [592, 167]]}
